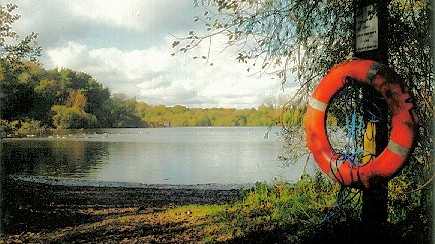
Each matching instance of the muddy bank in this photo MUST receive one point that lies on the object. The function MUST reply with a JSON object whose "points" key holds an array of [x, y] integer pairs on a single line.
{"points": [[46, 191], [41, 203]]}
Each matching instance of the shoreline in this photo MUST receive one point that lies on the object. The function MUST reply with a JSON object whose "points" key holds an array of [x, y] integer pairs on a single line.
{"points": [[43, 203], [77, 182], [47, 191], [55, 133]]}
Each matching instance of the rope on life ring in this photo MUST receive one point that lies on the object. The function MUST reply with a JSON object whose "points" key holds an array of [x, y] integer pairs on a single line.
{"points": [[393, 157]]}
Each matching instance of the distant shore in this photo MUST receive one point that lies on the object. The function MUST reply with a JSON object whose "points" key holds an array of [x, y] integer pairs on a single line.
{"points": [[53, 133]]}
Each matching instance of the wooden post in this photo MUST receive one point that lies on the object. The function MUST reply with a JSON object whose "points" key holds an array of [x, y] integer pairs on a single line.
{"points": [[370, 43], [2, 179]]}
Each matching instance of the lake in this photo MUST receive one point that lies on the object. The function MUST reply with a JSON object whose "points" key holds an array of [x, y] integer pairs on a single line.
{"points": [[192, 155]]}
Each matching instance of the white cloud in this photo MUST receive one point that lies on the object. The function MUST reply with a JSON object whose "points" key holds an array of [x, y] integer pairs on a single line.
{"points": [[137, 15], [118, 13], [124, 45], [154, 76], [129, 24]]}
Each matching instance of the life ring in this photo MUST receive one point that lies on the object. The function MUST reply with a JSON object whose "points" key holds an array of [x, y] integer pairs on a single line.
{"points": [[392, 158]]}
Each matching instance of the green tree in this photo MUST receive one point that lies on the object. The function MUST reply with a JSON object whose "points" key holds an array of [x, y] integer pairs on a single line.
{"points": [[202, 120], [66, 117], [98, 101], [123, 113], [16, 92]]}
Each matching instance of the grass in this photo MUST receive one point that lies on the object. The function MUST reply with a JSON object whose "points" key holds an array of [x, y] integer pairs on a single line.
{"points": [[279, 212], [276, 213]]}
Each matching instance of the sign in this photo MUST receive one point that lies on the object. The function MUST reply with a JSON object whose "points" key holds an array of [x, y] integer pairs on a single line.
{"points": [[366, 29]]}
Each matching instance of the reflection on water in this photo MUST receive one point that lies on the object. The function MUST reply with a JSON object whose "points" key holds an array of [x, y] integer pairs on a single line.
{"points": [[154, 156], [53, 157]]}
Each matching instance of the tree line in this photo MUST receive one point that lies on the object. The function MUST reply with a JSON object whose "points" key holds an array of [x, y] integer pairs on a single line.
{"points": [[65, 99]]}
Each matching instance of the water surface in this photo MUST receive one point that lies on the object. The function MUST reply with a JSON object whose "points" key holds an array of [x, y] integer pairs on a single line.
{"points": [[195, 155]]}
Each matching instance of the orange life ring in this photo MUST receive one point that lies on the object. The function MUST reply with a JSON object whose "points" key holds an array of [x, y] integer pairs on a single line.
{"points": [[401, 138]]}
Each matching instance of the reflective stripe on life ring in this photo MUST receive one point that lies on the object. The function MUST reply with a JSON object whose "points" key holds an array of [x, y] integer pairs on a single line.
{"points": [[388, 162]]}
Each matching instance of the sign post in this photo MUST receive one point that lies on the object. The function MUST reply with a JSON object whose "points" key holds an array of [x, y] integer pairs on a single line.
{"points": [[366, 29], [370, 23]]}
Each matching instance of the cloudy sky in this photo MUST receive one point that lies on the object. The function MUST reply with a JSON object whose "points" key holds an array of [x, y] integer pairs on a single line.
{"points": [[126, 46]]}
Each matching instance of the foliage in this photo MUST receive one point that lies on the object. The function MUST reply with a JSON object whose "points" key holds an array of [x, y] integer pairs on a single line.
{"points": [[21, 128], [30, 127], [157, 116], [285, 38], [303, 212], [123, 113], [12, 49], [293, 116], [73, 115], [282, 211], [7, 128], [13, 53], [29, 91], [40, 92], [63, 98], [77, 100], [72, 118], [410, 56], [301, 40], [276, 208], [33, 92]]}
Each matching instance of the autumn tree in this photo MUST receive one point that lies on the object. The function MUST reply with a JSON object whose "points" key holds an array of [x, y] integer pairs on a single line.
{"points": [[67, 117], [77, 100]]}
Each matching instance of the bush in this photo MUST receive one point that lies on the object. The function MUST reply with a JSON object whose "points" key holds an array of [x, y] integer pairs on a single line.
{"points": [[8, 127], [72, 118], [30, 127], [20, 128]]}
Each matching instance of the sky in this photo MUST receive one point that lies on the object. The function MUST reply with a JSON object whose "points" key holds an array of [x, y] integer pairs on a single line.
{"points": [[126, 45]]}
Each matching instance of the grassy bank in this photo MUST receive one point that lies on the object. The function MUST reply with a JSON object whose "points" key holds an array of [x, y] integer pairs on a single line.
{"points": [[304, 212]]}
